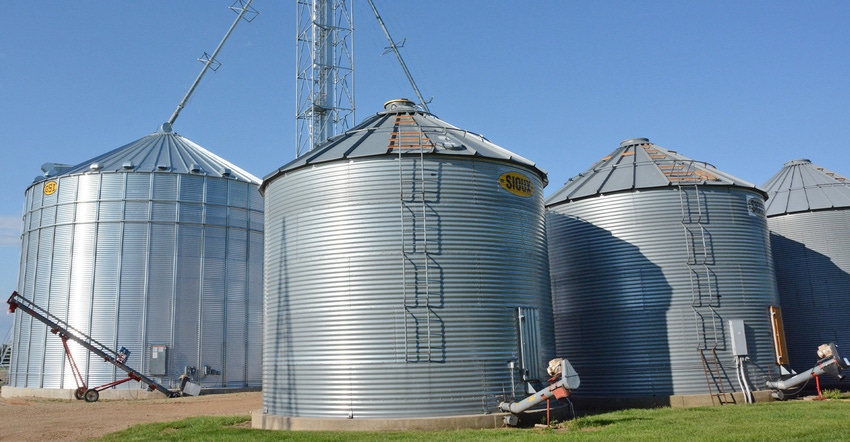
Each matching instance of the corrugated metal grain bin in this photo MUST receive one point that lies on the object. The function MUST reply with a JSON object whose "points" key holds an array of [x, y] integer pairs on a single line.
{"points": [[808, 214], [158, 243], [406, 269], [652, 254]]}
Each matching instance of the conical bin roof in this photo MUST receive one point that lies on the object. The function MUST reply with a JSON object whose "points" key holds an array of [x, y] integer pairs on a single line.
{"points": [[639, 164], [804, 187], [404, 128], [161, 151]]}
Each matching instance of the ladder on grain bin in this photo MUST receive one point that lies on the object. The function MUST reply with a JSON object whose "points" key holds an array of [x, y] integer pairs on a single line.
{"points": [[705, 299], [65, 332], [419, 270]]}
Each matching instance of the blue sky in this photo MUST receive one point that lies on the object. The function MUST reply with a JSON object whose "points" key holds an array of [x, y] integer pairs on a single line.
{"points": [[743, 85]]}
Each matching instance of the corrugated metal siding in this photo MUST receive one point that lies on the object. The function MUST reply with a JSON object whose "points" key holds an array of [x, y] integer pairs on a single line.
{"points": [[80, 296], [60, 287], [625, 275], [107, 253], [132, 290], [237, 308], [104, 292], [213, 308], [811, 251], [255, 307], [161, 291], [336, 314], [184, 350]]}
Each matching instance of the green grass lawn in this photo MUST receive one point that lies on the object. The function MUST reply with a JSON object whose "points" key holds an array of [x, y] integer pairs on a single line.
{"points": [[795, 420]]}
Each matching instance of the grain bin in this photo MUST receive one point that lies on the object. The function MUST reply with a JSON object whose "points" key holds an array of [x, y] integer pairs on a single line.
{"points": [[156, 247], [809, 222], [652, 254], [406, 275]]}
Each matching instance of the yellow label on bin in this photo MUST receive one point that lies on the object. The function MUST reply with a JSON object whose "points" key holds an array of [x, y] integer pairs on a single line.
{"points": [[516, 183], [50, 187]]}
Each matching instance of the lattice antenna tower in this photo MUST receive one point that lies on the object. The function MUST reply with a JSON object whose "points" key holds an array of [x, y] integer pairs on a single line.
{"points": [[325, 71]]}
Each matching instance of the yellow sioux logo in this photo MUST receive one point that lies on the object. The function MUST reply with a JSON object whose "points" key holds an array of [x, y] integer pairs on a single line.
{"points": [[516, 183]]}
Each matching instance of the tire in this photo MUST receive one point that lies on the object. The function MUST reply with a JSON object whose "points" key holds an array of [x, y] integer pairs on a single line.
{"points": [[92, 395], [79, 394]]}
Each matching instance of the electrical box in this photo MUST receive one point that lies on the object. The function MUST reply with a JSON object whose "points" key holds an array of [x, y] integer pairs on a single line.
{"points": [[158, 362], [192, 389], [739, 337]]}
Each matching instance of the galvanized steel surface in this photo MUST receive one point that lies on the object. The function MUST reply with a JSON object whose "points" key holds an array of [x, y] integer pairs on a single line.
{"points": [[356, 327], [403, 126], [161, 151], [801, 186], [811, 251], [639, 164], [136, 259], [809, 220], [643, 279]]}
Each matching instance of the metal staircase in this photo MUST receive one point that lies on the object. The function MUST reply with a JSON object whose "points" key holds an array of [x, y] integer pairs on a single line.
{"points": [[6, 350], [423, 328], [705, 299], [5, 356]]}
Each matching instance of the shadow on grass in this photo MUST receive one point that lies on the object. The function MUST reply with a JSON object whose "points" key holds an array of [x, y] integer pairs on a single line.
{"points": [[194, 428], [606, 422], [597, 423], [792, 420]]}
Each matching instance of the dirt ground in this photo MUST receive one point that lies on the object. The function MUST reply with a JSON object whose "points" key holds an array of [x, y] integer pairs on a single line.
{"points": [[36, 419]]}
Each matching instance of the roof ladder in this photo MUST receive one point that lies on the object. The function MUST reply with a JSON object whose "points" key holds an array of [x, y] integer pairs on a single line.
{"points": [[418, 190], [704, 297]]}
